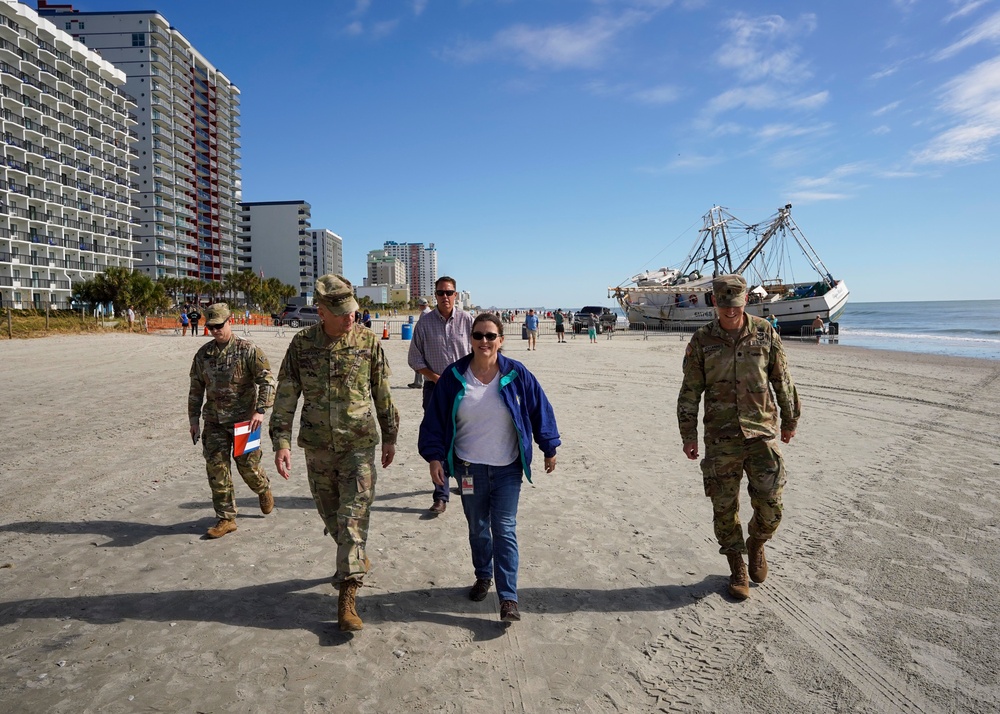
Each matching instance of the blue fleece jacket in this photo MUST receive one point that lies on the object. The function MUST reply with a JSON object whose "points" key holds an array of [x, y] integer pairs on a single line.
{"points": [[521, 394]]}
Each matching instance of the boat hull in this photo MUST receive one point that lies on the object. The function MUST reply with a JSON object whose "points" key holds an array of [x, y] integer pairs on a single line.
{"points": [[662, 312]]}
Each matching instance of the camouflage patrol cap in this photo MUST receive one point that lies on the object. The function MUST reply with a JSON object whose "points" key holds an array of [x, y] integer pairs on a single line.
{"points": [[217, 314], [730, 290], [336, 294]]}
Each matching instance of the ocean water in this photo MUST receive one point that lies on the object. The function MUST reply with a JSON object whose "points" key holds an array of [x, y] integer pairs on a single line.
{"points": [[963, 328]]}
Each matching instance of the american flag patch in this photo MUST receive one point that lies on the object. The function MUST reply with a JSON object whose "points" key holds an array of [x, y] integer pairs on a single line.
{"points": [[244, 440]]}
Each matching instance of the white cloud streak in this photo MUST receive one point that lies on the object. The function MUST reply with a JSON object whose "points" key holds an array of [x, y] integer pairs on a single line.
{"points": [[565, 46], [973, 99], [986, 31]]}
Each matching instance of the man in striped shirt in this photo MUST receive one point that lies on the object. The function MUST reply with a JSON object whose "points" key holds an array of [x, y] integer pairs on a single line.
{"points": [[440, 337]]}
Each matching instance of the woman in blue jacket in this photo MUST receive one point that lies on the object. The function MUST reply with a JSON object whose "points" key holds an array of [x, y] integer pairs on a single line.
{"points": [[480, 421]]}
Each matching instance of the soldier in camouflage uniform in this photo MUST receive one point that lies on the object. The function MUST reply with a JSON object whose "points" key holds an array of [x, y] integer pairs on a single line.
{"points": [[736, 361], [340, 370], [233, 378]]}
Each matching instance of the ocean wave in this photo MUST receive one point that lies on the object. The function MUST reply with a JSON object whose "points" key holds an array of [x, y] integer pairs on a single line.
{"points": [[987, 337]]}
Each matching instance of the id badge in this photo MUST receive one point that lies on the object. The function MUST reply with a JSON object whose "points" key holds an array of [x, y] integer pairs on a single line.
{"points": [[467, 485]]}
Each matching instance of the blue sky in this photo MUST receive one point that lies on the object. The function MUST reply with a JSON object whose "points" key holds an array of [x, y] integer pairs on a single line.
{"points": [[551, 148]]}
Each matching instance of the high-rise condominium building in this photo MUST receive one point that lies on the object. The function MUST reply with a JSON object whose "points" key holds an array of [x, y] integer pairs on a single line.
{"points": [[188, 140], [328, 252], [385, 269], [66, 186], [421, 265], [276, 242]]}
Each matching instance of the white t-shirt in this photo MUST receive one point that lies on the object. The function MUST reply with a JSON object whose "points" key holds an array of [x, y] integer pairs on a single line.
{"points": [[484, 431]]}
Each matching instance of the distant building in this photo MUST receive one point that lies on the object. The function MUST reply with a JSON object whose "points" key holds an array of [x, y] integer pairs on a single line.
{"points": [[328, 252], [277, 242], [188, 139], [66, 181], [421, 265], [384, 269]]}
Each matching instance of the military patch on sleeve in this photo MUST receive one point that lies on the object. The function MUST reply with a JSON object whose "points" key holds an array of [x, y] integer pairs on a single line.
{"points": [[688, 351]]}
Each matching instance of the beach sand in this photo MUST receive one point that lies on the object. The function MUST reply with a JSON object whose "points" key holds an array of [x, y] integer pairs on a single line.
{"points": [[883, 593]]}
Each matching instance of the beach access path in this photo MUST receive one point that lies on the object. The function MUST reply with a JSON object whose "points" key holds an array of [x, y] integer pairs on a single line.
{"points": [[883, 593]]}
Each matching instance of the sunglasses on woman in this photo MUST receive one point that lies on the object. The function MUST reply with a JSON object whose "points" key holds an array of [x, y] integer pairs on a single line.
{"points": [[488, 336]]}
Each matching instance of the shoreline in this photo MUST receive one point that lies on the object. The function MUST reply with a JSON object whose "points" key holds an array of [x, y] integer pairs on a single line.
{"points": [[114, 602]]}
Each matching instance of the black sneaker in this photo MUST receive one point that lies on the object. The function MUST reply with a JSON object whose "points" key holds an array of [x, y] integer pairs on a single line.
{"points": [[479, 590], [508, 611]]}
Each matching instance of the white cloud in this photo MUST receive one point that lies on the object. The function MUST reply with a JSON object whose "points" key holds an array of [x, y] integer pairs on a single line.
{"points": [[354, 28], [773, 132], [581, 45], [973, 99], [885, 109], [811, 101], [755, 97], [986, 31], [664, 94], [765, 47], [881, 130], [803, 197], [382, 29], [964, 8], [419, 6]]}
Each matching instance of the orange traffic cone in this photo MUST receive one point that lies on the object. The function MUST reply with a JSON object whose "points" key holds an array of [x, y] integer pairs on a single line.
{"points": [[385, 330], [206, 328]]}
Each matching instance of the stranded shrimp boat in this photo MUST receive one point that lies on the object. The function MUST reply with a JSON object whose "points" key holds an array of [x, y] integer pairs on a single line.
{"points": [[682, 298]]}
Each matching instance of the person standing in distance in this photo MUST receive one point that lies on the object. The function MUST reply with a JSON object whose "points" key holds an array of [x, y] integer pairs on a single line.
{"points": [[418, 379], [531, 326], [339, 368], [194, 317], [440, 338], [233, 378], [738, 363]]}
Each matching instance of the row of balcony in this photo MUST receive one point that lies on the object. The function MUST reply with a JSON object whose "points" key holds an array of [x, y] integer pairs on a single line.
{"points": [[57, 242], [50, 197], [62, 138], [26, 34], [45, 153], [7, 70], [30, 59], [28, 102]]}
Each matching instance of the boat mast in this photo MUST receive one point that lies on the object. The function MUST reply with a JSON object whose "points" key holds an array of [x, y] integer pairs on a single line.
{"points": [[779, 222]]}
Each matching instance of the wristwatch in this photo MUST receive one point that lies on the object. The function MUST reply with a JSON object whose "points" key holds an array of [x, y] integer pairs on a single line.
{"points": [[260, 410]]}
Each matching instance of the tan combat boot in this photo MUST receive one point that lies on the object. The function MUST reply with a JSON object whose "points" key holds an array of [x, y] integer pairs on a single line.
{"points": [[266, 502], [347, 615], [221, 528], [758, 563], [739, 583]]}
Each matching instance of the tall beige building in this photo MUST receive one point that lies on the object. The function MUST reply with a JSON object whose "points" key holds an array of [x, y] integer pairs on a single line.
{"points": [[188, 140], [66, 181]]}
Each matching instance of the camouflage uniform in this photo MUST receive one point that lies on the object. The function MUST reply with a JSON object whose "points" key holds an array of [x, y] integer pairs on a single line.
{"points": [[233, 379], [339, 380], [741, 423]]}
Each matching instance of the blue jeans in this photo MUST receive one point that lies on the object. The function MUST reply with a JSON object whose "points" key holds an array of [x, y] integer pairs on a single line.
{"points": [[441, 493], [491, 510]]}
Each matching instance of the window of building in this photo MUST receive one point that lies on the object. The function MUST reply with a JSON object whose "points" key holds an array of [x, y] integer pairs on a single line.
{"points": [[138, 39]]}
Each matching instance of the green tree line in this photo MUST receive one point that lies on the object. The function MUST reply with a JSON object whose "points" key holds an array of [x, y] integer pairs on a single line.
{"points": [[124, 288]]}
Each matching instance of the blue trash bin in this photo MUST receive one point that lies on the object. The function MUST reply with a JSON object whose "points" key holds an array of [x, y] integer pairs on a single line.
{"points": [[406, 331]]}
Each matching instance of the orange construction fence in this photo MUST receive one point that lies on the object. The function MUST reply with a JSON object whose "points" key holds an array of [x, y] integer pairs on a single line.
{"points": [[170, 322]]}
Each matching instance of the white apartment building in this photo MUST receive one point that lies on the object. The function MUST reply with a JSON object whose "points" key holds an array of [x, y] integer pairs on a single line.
{"points": [[66, 185], [384, 269], [328, 252], [276, 242], [421, 265], [188, 140]]}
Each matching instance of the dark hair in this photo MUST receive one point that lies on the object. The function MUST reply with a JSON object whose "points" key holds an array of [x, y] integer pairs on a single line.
{"points": [[489, 317], [445, 279]]}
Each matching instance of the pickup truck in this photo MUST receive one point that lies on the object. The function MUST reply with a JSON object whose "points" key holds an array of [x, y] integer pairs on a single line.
{"points": [[606, 319]]}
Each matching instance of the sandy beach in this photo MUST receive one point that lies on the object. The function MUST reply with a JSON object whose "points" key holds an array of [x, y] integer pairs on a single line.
{"points": [[883, 593]]}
